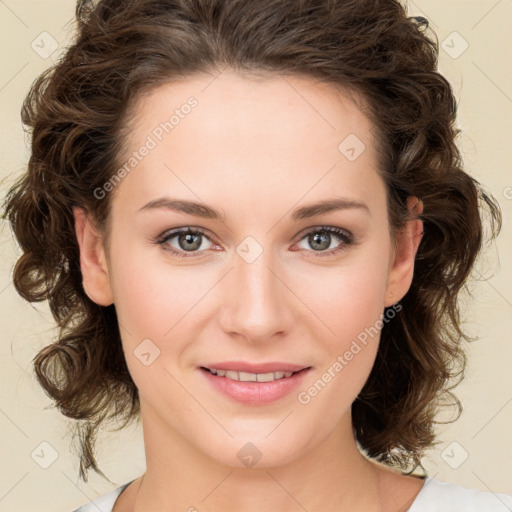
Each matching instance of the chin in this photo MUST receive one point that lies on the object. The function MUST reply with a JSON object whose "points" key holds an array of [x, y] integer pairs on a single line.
{"points": [[256, 451]]}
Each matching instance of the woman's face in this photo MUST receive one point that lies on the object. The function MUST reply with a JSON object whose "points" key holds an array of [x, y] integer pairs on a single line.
{"points": [[258, 282]]}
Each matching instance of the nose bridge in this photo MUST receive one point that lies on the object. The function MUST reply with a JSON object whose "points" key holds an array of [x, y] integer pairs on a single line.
{"points": [[257, 305]]}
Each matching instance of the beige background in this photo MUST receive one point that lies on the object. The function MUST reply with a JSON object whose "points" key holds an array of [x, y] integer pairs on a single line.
{"points": [[482, 83]]}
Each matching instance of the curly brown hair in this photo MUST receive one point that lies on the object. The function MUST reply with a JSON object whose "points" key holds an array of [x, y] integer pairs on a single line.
{"points": [[78, 110]]}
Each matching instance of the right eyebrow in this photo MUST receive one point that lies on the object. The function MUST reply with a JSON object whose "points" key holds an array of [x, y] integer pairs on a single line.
{"points": [[184, 206]]}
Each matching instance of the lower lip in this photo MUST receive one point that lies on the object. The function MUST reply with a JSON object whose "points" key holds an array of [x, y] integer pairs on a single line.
{"points": [[255, 392]]}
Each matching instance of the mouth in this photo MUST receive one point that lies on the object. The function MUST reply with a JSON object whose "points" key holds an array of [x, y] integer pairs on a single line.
{"points": [[254, 384]]}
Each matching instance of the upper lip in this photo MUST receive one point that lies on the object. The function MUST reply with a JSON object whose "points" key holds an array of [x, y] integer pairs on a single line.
{"points": [[241, 366]]}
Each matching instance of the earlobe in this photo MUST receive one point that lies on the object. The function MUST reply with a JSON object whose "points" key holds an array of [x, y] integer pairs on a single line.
{"points": [[93, 263], [402, 265]]}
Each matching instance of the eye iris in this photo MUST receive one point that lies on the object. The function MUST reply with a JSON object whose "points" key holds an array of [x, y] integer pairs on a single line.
{"points": [[320, 239], [189, 238]]}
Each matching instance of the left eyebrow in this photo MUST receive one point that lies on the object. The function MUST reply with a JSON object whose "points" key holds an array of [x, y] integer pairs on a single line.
{"points": [[207, 212], [328, 206]]}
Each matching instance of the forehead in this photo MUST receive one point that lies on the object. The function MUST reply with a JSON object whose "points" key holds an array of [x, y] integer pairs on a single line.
{"points": [[274, 136], [268, 106]]}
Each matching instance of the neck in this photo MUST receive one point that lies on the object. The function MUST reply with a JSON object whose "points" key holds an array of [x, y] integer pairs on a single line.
{"points": [[332, 475]]}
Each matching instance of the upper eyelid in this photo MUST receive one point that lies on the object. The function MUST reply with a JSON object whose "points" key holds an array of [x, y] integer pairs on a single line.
{"points": [[171, 233], [330, 229]]}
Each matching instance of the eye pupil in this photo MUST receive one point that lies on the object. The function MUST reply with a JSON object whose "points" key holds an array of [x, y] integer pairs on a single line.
{"points": [[320, 239], [189, 238]]}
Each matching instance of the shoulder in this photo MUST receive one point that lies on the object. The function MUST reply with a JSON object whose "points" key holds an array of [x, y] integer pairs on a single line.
{"points": [[437, 496], [103, 503]]}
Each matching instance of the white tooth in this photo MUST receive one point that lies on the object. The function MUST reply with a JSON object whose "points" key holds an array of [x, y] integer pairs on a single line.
{"points": [[266, 377], [247, 377], [251, 377]]}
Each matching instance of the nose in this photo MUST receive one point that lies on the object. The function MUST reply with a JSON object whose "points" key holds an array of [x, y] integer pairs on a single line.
{"points": [[257, 305]]}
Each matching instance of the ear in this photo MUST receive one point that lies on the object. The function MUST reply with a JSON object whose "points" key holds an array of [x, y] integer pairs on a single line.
{"points": [[93, 262], [401, 268]]}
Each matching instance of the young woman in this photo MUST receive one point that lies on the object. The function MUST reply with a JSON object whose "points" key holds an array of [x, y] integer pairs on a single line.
{"points": [[251, 222]]}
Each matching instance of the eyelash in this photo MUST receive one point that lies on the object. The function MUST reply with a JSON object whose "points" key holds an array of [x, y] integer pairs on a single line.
{"points": [[345, 236]]}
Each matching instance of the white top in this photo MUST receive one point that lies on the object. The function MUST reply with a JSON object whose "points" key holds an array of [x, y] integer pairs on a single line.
{"points": [[434, 496]]}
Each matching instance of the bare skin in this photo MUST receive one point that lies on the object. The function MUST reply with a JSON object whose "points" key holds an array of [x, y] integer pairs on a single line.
{"points": [[255, 150], [396, 492]]}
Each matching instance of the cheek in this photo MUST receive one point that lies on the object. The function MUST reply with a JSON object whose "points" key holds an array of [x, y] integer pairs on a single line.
{"points": [[154, 304], [150, 294], [348, 306], [151, 300], [354, 300], [345, 299]]}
